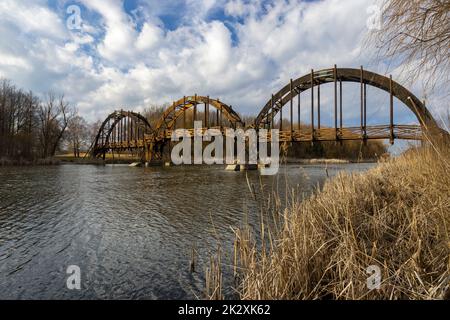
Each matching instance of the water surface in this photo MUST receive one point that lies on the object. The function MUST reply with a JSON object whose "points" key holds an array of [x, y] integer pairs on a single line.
{"points": [[130, 230]]}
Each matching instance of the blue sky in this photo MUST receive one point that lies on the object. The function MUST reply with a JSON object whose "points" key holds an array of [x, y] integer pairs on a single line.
{"points": [[138, 53]]}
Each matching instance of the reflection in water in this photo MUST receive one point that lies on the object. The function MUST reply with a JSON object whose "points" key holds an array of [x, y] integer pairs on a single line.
{"points": [[130, 230]]}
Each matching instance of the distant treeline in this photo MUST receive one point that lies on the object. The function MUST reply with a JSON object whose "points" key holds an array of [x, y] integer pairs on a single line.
{"points": [[31, 128], [350, 150]]}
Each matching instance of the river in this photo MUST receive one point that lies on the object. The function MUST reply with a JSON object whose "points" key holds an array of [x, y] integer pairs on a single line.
{"points": [[130, 230]]}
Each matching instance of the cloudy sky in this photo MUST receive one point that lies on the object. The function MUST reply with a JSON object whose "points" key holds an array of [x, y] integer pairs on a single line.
{"points": [[137, 53]]}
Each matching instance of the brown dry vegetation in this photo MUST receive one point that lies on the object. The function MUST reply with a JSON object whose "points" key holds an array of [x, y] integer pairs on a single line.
{"points": [[395, 216]]}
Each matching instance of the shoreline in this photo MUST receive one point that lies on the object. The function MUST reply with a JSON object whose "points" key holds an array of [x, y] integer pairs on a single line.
{"points": [[88, 161], [328, 161]]}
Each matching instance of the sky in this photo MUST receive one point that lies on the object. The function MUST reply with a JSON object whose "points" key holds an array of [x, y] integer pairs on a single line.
{"points": [[111, 54]]}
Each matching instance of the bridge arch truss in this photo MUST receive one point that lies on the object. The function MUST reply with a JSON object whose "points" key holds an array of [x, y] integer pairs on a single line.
{"points": [[313, 81], [121, 130], [224, 115]]}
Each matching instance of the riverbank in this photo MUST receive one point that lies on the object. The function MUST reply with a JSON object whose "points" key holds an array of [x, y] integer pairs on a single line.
{"points": [[129, 160], [96, 161], [58, 160], [332, 161], [316, 161], [22, 162], [393, 218]]}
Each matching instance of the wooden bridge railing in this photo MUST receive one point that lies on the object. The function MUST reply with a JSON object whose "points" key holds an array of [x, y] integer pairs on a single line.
{"points": [[405, 132]]}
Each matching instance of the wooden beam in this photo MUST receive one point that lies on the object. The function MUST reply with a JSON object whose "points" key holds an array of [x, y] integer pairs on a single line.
{"points": [[340, 105], [195, 110], [391, 110], [292, 106], [362, 99], [312, 103], [184, 112], [271, 112], [299, 108], [318, 106], [335, 100], [207, 112]]}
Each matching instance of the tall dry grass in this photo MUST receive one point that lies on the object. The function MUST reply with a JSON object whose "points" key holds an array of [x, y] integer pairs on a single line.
{"points": [[395, 216]]}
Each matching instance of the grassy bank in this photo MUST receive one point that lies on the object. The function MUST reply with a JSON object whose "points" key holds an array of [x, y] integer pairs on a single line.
{"points": [[395, 216]]}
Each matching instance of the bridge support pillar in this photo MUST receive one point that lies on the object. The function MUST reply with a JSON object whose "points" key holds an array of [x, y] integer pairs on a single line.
{"points": [[166, 153]]}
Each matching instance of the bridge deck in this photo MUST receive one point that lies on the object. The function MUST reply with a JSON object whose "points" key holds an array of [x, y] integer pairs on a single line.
{"points": [[404, 132]]}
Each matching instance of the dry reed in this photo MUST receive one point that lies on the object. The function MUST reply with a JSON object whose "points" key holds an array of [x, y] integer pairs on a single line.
{"points": [[395, 216]]}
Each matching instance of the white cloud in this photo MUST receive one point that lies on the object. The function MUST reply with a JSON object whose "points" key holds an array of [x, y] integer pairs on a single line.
{"points": [[236, 8], [149, 37], [130, 60], [8, 60], [32, 17]]}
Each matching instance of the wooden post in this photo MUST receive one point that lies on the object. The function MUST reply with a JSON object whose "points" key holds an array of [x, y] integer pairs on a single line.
{"points": [[365, 111], [221, 114], [114, 134], [299, 108], [312, 104], [175, 120], [335, 101], [195, 109], [318, 106], [103, 135], [362, 100], [281, 118], [139, 130], [128, 128], [292, 108], [271, 112], [121, 129], [184, 112], [217, 117], [207, 112], [340, 104], [125, 129], [136, 130], [131, 129], [118, 132], [391, 110]]}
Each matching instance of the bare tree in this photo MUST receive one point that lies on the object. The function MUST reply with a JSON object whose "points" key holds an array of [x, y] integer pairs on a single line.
{"points": [[417, 34], [54, 116], [17, 122], [153, 113], [77, 134]]}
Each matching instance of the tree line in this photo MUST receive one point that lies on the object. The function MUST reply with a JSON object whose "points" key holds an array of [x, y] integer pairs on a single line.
{"points": [[34, 128]]}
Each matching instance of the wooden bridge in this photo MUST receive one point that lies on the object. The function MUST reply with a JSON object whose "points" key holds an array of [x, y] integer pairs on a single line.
{"points": [[130, 131]]}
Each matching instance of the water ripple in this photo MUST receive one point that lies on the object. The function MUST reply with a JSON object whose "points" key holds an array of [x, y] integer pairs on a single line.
{"points": [[131, 230]]}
